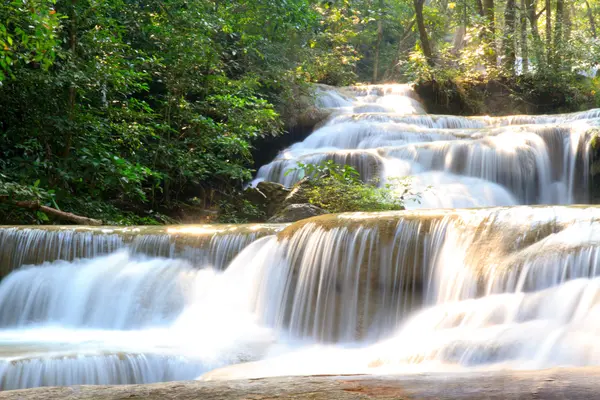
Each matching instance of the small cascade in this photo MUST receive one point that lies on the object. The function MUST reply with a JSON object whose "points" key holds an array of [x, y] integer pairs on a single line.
{"points": [[336, 280], [116, 291], [105, 369], [438, 290], [459, 161], [214, 245], [124, 318]]}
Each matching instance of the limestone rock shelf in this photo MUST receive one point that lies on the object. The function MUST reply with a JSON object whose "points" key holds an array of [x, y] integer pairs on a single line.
{"points": [[571, 383], [214, 244]]}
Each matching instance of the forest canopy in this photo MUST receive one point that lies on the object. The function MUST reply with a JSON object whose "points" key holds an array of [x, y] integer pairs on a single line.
{"points": [[124, 109]]}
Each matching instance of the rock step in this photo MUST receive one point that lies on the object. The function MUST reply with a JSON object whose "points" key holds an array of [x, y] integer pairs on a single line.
{"points": [[568, 383]]}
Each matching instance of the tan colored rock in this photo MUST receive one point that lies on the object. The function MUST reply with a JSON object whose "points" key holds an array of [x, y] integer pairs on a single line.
{"points": [[298, 194], [268, 196], [553, 384], [297, 212]]}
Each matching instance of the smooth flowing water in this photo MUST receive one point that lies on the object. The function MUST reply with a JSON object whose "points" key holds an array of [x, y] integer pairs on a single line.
{"points": [[383, 132], [515, 285]]}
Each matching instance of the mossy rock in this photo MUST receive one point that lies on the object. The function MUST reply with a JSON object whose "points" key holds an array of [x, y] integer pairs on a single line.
{"points": [[297, 212]]}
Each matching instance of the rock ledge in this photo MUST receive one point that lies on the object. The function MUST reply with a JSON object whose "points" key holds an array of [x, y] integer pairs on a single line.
{"points": [[570, 383]]}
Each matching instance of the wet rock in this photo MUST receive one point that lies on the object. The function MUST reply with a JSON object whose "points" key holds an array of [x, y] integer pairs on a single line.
{"points": [[299, 193], [274, 191], [560, 383], [268, 196], [296, 212], [312, 116]]}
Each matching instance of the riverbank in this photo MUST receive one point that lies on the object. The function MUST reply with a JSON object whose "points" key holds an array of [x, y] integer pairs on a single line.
{"points": [[558, 383]]}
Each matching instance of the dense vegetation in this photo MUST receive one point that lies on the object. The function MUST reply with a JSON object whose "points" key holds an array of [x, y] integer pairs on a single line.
{"points": [[126, 110], [338, 188]]}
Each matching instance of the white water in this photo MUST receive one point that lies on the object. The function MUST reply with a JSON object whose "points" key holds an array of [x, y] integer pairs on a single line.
{"points": [[123, 318], [201, 245], [502, 291], [504, 288], [456, 162], [423, 290]]}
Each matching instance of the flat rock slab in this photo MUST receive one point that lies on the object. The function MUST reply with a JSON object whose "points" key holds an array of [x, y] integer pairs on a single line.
{"points": [[569, 383]]}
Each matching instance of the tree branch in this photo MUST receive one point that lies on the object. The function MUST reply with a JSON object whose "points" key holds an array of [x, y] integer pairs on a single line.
{"points": [[67, 216], [540, 13]]}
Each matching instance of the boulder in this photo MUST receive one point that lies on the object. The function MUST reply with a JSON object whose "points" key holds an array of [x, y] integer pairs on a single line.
{"points": [[298, 194], [311, 117], [296, 212], [268, 196]]}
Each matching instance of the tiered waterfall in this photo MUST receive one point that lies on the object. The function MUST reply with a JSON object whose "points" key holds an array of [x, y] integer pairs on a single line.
{"points": [[439, 287]]}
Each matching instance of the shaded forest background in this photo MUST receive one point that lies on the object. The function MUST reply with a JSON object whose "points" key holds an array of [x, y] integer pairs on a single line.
{"points": [[133, 111]]}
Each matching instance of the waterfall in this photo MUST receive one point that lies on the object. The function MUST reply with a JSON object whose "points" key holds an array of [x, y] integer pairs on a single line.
{"points": [[514, 284], [383, 132], [437, 290], [379, 292], [123, 293], [124, 318], [202, 245], [95, 369]]}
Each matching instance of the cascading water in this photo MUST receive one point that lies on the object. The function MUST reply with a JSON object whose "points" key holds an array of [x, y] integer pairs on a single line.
{"points": [[479, 289], [102, 308], [383, 132], [398, 292], [203, 245]]}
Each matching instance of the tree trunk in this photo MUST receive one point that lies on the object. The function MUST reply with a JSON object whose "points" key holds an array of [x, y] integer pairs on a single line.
{"points": [[558, 32], [66, 216], [590, 16], [379, 39], [488, 10], [72, 90], [524, 47], [458, 43], [532, 15], [401, 49], [568, 22], [425, 44], [549, 31], [508, 39], [479, 6]]}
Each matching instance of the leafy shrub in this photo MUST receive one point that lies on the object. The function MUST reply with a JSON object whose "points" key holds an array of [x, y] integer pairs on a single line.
{"points": [[237, 210], [338, 188]]}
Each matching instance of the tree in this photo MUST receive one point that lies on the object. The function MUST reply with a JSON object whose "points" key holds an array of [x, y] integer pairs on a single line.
{"points": [[523, 37], [508, 40], [425, 44], [116, 109], [490, 34], [591, 19], [28, 35], [379, 39], [549, 32], [558, 31]]}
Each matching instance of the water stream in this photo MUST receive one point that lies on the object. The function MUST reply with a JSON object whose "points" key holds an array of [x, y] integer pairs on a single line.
{"points": [[438, 287], [383, 132]]}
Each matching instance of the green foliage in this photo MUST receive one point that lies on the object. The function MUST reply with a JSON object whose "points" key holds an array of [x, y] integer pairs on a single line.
{"points": [[117, 108], [238, 210], [334, 56], [338, 188], [471, 45], [28, 34]]}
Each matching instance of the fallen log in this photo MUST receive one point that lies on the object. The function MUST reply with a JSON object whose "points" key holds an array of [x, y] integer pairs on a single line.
{"points": [[63, 215], [553, 384]]}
